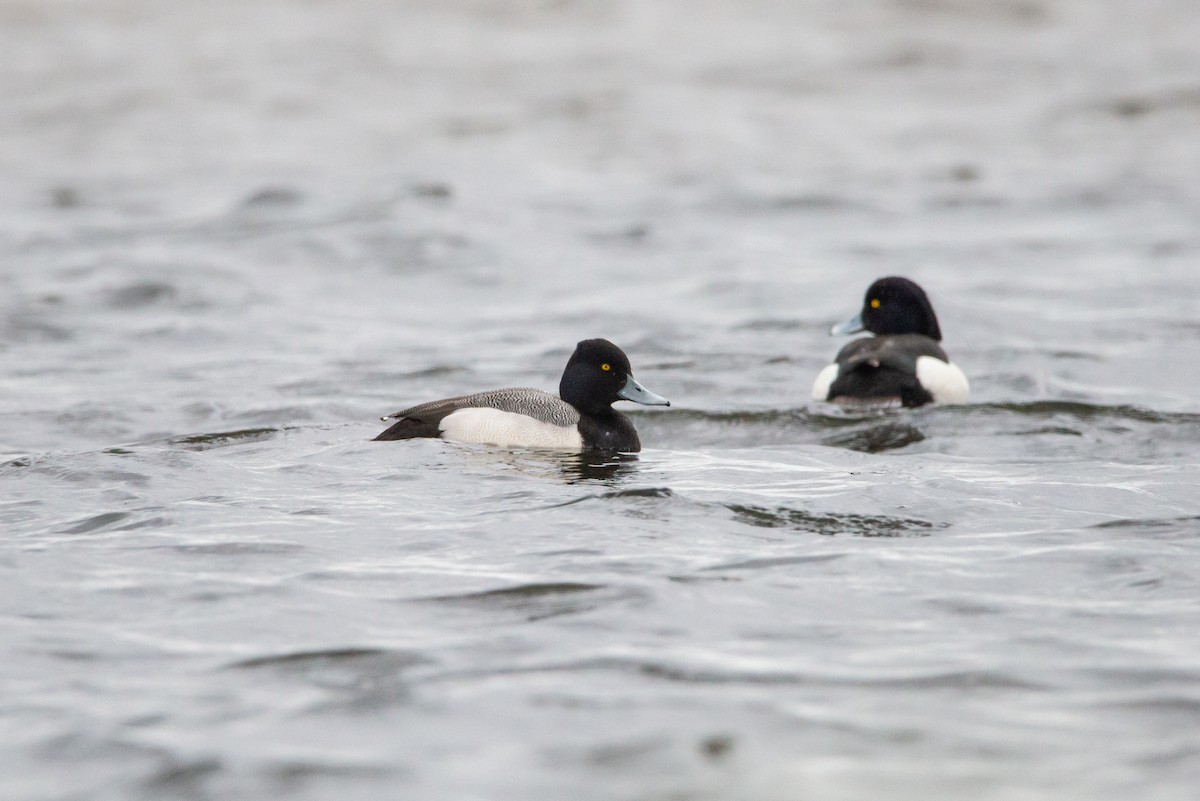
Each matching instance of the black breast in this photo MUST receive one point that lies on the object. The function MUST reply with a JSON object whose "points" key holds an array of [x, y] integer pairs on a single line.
{"points": [[611, 433]]}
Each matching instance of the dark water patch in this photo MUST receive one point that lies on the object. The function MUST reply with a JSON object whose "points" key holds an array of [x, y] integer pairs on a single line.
{"points": [[704, 579], [1048, 411], [961, 680], [317, 662], [432, 190], [1019, 13], [140, 294], [876, 437], [523, 591], [302, 659], [66, 197], [965, 173], [226, 594], [364, 695], [1188, 525], [1089, 412], [1068, 429], [17, 465], [539, 601], [291, 776], [1073, 355], [649, 667], [1061, 431], [95, 523], [628, 235], [776, 561], [774, 324], [1170, 757], [832, 524], [66, 467], [1169, 704], [78, 746], [639, 492], [691, 675], [1141, 105], [585, 552], [77, 656], [965, 201], [26, 326], [800, 197], [235, 548], [149, 522], [949, 680], [273, 197], [355, 680], [221, 439], [182, 778], [1174, 249], [625, 755], [716, 747], [811, 201], [964, 607], [786, 202], [644, 667], [1148, 675]]}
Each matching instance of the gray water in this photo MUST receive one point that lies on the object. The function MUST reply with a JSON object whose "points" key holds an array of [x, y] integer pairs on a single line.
{"points": [[232, 235]]}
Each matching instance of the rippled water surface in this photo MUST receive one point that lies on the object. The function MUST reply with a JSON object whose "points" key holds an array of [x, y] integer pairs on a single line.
{"points": [[235, 234]]}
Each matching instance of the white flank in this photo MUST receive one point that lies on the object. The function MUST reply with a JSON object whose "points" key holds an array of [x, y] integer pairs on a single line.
{"points": [[945, 382], [486, 426], [824, 381]]}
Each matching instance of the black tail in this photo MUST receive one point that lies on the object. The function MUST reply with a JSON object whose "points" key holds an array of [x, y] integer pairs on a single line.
{"points": [[409, 428]]}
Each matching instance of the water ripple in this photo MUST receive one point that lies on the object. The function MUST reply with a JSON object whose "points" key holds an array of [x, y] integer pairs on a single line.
{"points": [[832, 524]]}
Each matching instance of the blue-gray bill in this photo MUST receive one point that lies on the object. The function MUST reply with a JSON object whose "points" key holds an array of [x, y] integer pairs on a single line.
{"points": [[633, 391], [851, 326]]}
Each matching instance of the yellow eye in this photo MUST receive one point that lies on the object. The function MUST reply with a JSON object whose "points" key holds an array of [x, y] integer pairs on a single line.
{"points": [[874, 303], [606, 367]]}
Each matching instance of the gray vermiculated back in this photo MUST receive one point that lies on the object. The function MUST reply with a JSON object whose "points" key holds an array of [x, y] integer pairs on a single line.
{"points": [[535, 403]]}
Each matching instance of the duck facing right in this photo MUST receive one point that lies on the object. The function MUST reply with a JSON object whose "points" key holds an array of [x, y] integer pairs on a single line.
{"points": [[903, 362]]}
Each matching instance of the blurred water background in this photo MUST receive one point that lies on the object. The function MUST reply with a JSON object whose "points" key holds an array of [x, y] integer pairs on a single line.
{"points": [[234, 234]]}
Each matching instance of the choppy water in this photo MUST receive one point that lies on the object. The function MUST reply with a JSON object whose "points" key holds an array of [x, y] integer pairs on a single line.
{"points": [[233, 235]]}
